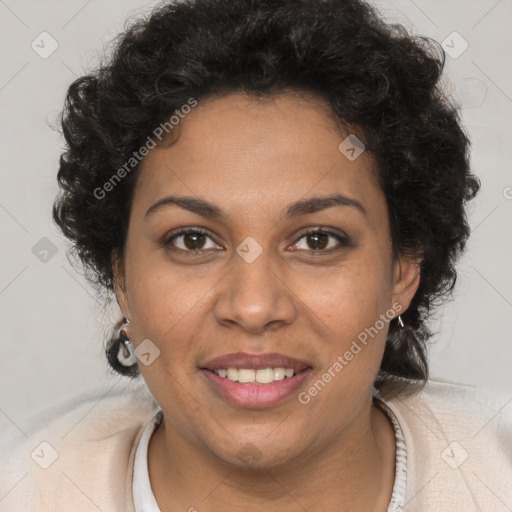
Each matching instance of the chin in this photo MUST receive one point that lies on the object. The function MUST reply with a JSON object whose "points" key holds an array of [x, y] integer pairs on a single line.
{"points": [[260, 455]]}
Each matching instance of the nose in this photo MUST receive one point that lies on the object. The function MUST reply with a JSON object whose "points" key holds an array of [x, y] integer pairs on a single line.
{"points": [[254, 298]]}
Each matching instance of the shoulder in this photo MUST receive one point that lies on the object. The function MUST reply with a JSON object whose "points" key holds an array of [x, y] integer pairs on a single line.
{"points": [[459, 447], [455, 410], [77, 455]]}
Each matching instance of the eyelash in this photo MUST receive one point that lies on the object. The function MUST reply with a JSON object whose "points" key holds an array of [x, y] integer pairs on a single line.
{"points": [[343, 240]]}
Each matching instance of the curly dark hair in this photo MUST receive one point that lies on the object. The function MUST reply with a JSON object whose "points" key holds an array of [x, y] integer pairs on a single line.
{"points": [[376, 77]]}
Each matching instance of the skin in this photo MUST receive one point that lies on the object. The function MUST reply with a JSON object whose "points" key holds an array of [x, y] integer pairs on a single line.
{"points": [[252, 158]]}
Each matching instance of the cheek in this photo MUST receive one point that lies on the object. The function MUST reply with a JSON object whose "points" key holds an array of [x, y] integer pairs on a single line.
{"points": [[163, 300], [351, 296], [353, 304], [165, 308]]}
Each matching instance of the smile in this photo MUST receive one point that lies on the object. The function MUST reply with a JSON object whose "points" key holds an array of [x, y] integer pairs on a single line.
{"points": [[255, 380], [251, 376]]}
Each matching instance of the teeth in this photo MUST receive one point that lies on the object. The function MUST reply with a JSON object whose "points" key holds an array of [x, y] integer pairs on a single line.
{"points": [[279, 373], [262, 376], [246, 375], [232, 374], [265, 376]]}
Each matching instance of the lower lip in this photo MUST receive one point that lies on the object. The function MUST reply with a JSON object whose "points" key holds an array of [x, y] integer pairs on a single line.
{"points": [[255, 396]]}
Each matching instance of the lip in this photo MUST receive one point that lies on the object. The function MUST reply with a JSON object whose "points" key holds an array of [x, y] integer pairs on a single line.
{"points": [[255, 361], [255, 395]]}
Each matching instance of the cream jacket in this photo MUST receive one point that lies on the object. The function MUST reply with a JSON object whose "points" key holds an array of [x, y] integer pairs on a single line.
{"points": [[459, 451]]}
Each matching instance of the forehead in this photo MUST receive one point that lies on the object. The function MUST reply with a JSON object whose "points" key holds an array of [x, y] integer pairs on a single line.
{"points": [[247, 151]]}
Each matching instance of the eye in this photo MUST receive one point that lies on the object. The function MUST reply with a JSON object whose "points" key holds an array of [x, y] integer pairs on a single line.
{"points": [[321, 240], [191, 240]]}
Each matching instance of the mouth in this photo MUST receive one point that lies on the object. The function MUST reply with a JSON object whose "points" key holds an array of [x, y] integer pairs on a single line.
{"points": [[255, 381], [253, 376]]}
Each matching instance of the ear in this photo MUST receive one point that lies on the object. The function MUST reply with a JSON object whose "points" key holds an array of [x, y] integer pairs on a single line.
{"points": [[120, 283], [406, 279]]}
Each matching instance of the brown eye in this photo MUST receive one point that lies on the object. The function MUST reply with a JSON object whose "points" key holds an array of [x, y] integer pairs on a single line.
{"points": [[194, 240], [321, 241], [317, 240], [191, 240]]}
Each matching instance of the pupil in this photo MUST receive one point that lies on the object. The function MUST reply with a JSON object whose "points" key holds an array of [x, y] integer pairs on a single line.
{"points": [[193, 240], [320, 239]]}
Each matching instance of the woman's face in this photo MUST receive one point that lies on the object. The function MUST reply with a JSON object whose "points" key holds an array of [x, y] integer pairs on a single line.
{"points": [[250, 179]]}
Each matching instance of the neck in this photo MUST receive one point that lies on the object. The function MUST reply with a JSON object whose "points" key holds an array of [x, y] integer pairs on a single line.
{"points": [[355, 471]]}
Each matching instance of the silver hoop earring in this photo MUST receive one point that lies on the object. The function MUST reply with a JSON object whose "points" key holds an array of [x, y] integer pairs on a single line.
{"points": [[126, 354], [400, 322]]}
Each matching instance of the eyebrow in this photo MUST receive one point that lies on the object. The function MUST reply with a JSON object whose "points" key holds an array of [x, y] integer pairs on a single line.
{"points": [[293, 210], [316, 204], [192, 204]]}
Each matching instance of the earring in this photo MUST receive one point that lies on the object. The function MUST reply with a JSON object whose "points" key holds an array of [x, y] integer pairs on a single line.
{"points": [[400, 322], [125, 355]]}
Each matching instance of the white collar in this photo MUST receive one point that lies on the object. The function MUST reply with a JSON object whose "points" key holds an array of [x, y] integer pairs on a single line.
{"points": [[143, 497]]}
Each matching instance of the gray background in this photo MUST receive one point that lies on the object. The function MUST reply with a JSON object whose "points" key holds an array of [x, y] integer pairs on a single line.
{"points": [[53, 326]]}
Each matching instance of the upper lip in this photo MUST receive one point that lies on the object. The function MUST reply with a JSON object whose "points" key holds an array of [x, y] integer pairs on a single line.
{"points": [[255, 361]]}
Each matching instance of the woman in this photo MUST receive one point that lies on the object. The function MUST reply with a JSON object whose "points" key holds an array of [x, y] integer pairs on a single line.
{"points": [[275, 191]]}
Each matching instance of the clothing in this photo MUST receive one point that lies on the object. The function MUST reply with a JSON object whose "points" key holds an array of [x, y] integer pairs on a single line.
{"points": [[458, 441], [143, 498], [145, 501]]}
